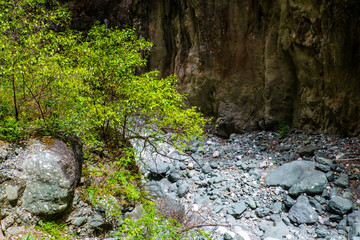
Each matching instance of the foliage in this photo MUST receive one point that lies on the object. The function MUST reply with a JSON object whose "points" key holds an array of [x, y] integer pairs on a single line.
{"points": [[56, 231], [58, 81], [283, 129], [152, 225]]}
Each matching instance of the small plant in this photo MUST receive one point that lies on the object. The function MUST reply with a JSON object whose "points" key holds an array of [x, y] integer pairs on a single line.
{"points": [[283, 129], [56, 231]]}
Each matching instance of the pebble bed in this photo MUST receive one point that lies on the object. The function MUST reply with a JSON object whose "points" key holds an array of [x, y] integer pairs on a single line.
{"points": [[221, 183]]}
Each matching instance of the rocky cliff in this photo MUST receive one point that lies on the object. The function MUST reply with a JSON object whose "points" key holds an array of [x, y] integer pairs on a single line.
{"points": [[248, 63]]}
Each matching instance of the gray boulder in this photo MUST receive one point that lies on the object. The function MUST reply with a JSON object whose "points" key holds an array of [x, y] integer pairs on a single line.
{"points": [[312, 182], [289, 174], [52, 173], [302, 212]]}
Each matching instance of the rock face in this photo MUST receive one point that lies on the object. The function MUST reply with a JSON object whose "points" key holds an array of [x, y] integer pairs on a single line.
{"points": [[251, 63]]}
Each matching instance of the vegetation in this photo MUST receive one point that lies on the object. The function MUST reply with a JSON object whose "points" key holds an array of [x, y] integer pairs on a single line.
{"points": [[283, 129], [56, 81]]}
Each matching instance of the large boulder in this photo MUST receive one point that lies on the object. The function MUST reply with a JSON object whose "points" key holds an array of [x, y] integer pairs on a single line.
{"points": [[289, 174], [51, 172]]}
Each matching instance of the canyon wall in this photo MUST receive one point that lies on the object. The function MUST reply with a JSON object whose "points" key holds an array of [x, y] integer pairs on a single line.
{"points": [[251, 63]]}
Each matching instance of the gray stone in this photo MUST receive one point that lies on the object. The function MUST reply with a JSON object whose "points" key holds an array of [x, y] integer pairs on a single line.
{"points": [[307, 151], [154, 189], [158, 170], [79, 221], [313, 182], [322, 167], [288, 201], [237, 209], [280, 231], [206, 168], [183, 190], [339, 205], [214, 164], [11, 193], [326, 161], [289, 174], [316, 205], [52, 174], [342, 181], [321, 232], [96, 221], [354, 231], [262, 212], [250, 202], [302, 212], [354, 217], [174, 177]]}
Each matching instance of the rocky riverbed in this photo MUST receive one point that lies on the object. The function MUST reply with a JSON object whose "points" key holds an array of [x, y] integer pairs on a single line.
{"points": [[255, 185], [261, 186]]}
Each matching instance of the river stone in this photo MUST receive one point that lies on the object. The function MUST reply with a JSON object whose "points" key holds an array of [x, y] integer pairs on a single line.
{"points": [[237, 209], [343, 180], [52, 174], [183, 190], [171, 208], [280, 231], [354, 231], [158, 170], [307, 151], [326, 161], [302, 212], [313, 182], [11, 193], [339, 205], [96, 221], [289, 174]]}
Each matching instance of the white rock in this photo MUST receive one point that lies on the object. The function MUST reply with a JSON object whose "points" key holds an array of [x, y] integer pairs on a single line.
{"points": [[216, 154]]}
